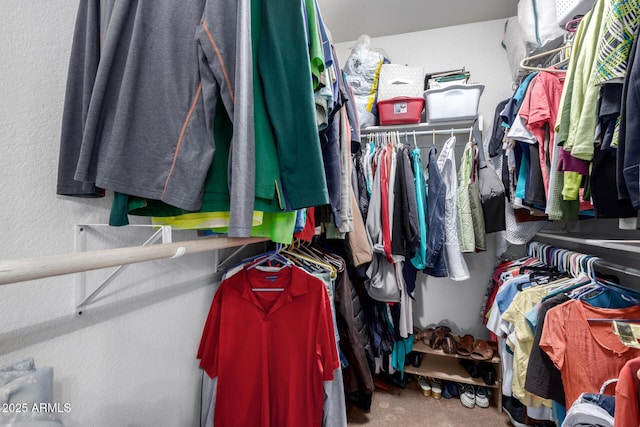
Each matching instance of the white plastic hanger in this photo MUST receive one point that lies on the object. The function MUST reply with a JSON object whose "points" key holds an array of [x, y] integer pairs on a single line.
{"points": [[524, 66]]}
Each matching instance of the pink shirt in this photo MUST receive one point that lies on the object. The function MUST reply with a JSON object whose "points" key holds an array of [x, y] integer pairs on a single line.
{"points": [[539, 108], [385, 164], [627, 413]]}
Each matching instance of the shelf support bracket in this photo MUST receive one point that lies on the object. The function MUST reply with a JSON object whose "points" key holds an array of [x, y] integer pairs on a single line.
{"points": [[219, 263], [82, 301]]}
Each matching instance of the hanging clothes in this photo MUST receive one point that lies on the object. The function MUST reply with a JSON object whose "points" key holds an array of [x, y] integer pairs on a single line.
{"points": [[436, 204], [157, 144], [539, 111], [223, 64], [405, 230], [629, 165], [470, 217], [456, 265], [420, 186], [249, 335], [627, 411], [569, 336], [580, 128]]}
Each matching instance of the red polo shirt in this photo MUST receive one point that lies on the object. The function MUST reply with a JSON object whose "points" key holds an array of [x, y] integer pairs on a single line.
{"points": [[271, 351]]}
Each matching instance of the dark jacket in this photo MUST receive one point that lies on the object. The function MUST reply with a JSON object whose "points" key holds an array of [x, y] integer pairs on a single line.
{"points": [[405, 236], [629, 145], [437, 191], [354, 336]]}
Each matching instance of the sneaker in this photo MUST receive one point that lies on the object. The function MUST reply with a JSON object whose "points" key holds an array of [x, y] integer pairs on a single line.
{"points": [[482, 397], [425, 388], [468, 397], [514, 410]]}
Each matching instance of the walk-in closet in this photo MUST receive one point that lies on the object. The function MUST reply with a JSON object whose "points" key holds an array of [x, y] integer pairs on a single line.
{"points": [[287, 213]]}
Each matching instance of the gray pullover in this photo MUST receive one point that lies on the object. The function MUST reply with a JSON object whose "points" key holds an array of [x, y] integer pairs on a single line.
{"points": [[140, 101]]}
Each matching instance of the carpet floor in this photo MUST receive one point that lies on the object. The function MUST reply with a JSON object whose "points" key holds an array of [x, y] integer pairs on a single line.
{"points": [[409, 408]]}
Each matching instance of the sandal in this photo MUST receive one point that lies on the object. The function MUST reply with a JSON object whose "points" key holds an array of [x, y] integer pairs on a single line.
{"points": [[428, 336], [439, 334], [436, 388], [465, 345], [424, 385], [482, 351], [449, 344]]}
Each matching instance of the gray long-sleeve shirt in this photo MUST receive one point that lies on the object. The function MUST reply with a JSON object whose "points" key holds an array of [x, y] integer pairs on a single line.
{"points": [[141, 96]]}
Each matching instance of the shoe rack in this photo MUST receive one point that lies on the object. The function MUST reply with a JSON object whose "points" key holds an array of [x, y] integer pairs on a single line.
{"points": [[443, 366]]}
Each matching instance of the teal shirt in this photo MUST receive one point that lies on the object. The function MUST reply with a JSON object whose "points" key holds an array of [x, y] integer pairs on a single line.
{"points": [[419, 260]]}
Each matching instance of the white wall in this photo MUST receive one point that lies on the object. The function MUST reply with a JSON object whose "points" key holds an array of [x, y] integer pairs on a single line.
{"points": [[476, 47], [131, 359]]}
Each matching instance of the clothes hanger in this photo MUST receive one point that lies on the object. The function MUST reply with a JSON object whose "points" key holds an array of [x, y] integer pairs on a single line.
{"points": [[269, 257], [262, 257], [572, 26], [599, 287], [264, 263], [322, 254], [524, 66], [328, 268]]}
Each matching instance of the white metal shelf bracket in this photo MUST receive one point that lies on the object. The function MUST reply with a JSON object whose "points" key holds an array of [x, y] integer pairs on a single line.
{"points": [[219, 263], [81, 300]]}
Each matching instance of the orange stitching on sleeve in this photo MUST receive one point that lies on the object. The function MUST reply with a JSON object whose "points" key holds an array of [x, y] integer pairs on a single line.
{"points": [[182, 132], [224, 68]]}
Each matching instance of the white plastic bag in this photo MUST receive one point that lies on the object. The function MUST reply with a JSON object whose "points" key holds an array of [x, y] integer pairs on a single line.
{"points": [[363, 69]]}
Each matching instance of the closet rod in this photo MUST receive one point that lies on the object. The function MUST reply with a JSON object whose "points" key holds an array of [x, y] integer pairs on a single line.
{"points": [[24, 269], [617, 268], [363, 133]]}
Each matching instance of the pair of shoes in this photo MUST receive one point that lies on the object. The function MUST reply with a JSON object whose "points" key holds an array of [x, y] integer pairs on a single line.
{"points": [[468, 396], [425, 387], [475, 396], [471, 367], [514, 410], [414, 358], [418, 334], [482, 397], [395, 379], [482, 351], [436, 388], [360, 399], [439, 335], [449, 344], [465, 345], [449, 389], [486, 371]]}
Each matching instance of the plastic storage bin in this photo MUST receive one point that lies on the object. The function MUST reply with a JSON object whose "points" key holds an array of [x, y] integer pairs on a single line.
{"points": [[566, 10], [400, 110], [458, 102]]}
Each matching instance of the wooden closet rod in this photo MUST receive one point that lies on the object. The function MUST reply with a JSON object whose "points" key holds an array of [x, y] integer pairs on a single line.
{"points": [[24, 269]]}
